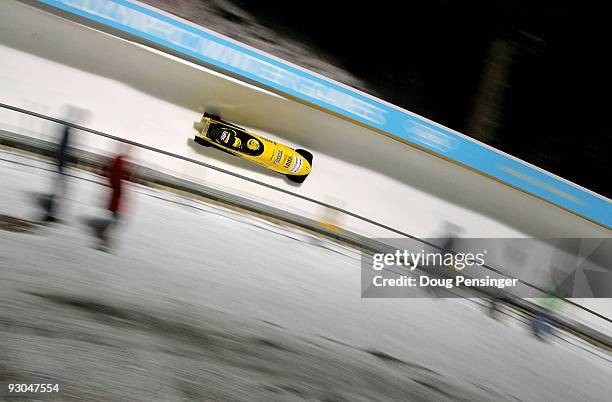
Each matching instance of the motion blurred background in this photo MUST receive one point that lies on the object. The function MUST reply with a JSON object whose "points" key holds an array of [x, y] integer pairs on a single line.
{"points": [[157, 272], [526, 77]]}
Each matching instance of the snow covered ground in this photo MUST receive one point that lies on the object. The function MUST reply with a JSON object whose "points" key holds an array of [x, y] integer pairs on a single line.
{"points": [[199, 302]]}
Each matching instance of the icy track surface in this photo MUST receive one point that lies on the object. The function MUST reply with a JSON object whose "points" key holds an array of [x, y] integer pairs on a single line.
{"points": [[199, 302]]}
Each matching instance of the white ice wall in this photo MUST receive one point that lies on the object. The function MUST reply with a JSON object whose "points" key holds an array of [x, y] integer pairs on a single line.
{"points": [[149, 97]]}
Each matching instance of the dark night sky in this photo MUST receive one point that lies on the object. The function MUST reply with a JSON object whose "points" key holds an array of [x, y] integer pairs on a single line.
{"points": [[428, 57]]}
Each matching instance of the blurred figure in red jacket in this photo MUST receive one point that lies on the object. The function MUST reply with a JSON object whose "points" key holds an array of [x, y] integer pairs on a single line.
{"points": [[117, 171]]}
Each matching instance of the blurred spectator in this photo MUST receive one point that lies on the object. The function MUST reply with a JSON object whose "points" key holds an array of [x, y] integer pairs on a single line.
{"points": [[541, 322], [50, 202], [117, 171], [446, 242]]}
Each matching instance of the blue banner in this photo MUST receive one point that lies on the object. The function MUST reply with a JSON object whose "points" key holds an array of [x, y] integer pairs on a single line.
{"points": [[250, 64]]}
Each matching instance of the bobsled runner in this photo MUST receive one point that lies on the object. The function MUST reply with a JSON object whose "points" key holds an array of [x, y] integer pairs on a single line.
{"points": [[214, 132]]}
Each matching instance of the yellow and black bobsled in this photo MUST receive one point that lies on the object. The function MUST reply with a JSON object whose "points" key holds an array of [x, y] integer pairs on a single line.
{"points": [[228, 137]]}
